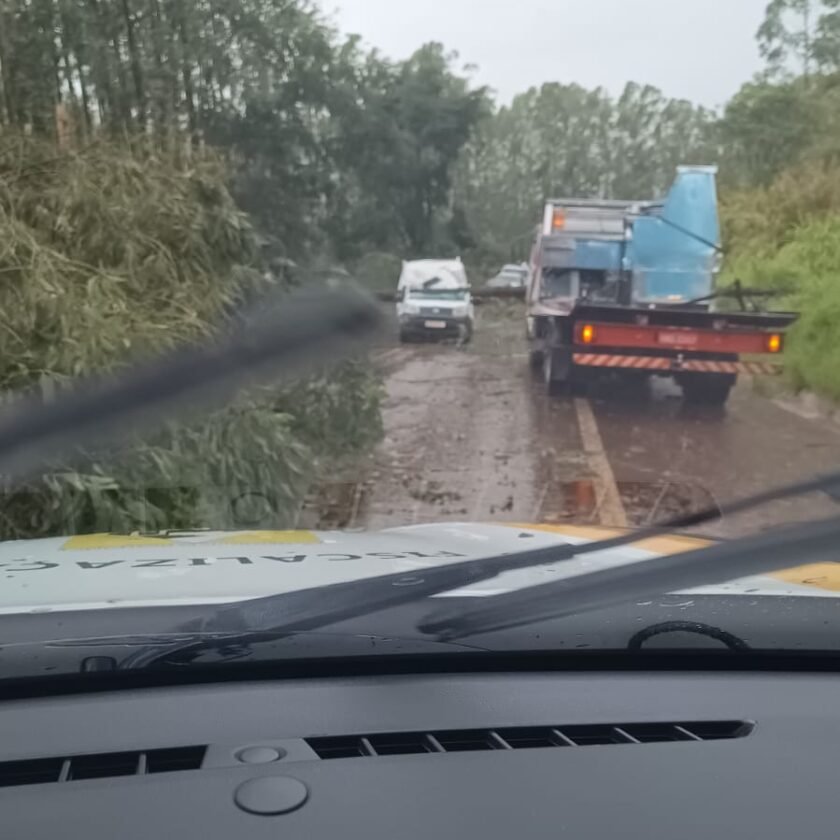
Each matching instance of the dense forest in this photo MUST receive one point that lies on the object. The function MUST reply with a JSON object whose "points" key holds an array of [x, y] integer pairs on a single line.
{"points": [[335, 151], [159, 159]]}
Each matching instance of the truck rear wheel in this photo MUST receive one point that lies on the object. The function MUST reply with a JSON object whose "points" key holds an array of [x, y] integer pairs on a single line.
{"points": [[578, 384], [554, 377], [707, 389]]}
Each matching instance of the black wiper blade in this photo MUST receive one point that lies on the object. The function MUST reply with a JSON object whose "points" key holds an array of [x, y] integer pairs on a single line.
{"points": [[766, 552], [309, 609], [283, 336]]}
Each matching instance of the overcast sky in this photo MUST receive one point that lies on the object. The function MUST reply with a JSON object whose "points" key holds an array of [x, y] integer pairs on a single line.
{"points": [[701, 50]]}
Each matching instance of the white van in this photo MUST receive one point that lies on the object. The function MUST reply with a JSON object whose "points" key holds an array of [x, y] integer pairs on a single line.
{"points": [[433, 299]]}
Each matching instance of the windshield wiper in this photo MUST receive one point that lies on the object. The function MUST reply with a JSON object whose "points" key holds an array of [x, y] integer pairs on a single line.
{"points": [[762, 553], [310, 609], [284, 335]]}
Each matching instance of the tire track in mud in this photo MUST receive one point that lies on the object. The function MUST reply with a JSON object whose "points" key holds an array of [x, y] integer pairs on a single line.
{"points": [[468, 437]]}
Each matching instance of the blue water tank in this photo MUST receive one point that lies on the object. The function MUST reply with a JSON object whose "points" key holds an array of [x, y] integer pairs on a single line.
{"points": [[674, 247]]}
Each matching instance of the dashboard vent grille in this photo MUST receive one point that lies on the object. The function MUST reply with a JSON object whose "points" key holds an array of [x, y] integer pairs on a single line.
{"points": [[99, 766], [471, 740]]}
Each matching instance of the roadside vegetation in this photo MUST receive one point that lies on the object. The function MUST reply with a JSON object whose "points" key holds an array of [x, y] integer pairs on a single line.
{"points": [[781, 176], [786, 237], [117, 251]]}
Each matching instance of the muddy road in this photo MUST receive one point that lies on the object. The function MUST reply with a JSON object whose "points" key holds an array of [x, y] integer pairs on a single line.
{"points": [[471, 436]]}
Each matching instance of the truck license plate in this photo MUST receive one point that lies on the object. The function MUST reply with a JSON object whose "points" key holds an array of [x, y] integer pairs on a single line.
{"points": [[679, 338], [435, 325]]}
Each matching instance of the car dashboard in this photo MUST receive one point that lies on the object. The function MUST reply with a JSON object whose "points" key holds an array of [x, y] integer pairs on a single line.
{"points": [[491, 755]]}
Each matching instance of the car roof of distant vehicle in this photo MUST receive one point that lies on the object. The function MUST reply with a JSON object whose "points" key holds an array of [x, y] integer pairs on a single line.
{"points": [[429, 273], [510, 275]]}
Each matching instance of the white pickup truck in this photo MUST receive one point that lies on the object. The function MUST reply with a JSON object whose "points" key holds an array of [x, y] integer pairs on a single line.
{"points": [[433, 299]]}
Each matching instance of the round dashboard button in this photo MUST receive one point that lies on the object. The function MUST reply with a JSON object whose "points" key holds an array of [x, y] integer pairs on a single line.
{"points": [[270, 795], [259, 755]]}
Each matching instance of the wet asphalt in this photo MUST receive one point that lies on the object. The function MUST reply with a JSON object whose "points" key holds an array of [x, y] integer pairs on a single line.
{"points": [[471, 435]]}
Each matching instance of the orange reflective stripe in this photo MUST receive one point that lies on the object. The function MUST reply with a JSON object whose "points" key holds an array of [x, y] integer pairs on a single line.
{"points": [[660, 363]]}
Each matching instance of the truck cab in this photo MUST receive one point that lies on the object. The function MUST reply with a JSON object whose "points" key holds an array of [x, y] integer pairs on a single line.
{"points": [[434, 300]]}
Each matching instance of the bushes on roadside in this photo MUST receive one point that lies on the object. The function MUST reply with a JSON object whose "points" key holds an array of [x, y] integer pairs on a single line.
{"points": [[808, 265], [117, 251], [787, 238]]}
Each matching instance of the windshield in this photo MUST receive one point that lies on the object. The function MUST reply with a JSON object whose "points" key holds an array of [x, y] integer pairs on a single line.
{"points": [[226, 371]]}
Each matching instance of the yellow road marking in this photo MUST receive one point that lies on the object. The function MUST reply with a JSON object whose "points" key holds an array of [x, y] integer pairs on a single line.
{"points": [[610, 508], [83, 542], [821, 575], [666, 544], [276, 537]]}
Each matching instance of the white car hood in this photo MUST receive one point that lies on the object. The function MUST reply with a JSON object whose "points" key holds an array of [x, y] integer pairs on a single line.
{"points": [[102, 571], [447, 304]]}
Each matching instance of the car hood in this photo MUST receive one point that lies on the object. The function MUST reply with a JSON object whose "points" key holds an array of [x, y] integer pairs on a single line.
{"points": [[102, 571]]}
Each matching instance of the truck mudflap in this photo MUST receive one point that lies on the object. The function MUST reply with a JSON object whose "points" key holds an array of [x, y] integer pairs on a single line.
{"points": [[659, 363]]}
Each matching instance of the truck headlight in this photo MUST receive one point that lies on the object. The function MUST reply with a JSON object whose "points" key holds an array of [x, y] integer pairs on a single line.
{"points": [[461, 311]]}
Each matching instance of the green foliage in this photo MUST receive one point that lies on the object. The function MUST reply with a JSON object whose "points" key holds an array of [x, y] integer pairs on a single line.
{"points": [[115, 251], [378, 271], [331, 148], [337, 415], [185, 476], [787, 32], [807, 265], [759, 221], [400, 131], [781, 177], [111, 250], [765, 128], [797, 36], [563, 140], [786, 237]]}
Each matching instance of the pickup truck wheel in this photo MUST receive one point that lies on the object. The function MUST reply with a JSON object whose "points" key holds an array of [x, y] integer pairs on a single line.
{"points": [[405, 336]]}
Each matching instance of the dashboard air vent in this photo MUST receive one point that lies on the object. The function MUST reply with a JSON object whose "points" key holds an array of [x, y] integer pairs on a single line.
{"points": [[99, 766], [471, 740]]}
